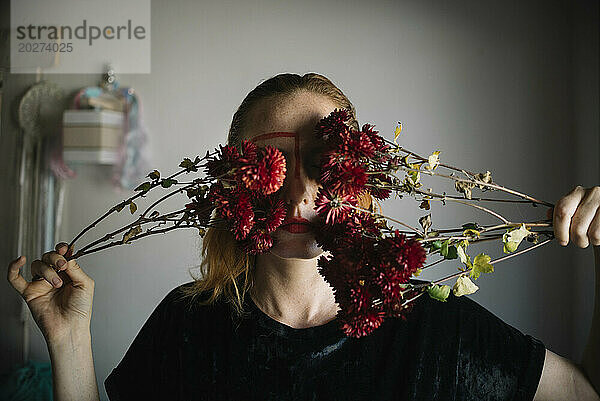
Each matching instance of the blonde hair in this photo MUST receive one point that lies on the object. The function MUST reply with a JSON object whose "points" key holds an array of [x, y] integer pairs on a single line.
{"points": [[226, 270]]}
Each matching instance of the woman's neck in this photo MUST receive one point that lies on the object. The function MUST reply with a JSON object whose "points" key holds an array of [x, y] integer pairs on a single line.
{"points": [[292, 291]]}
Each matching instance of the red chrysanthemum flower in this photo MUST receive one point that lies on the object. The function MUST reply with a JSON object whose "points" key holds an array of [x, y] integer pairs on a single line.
{"points": [[332, 162], [360, 295], [257, 242], [338, 273], [389, 280], [224, 164], [200, 208], [378, 182], [249, 151], [273, 166], [374, 137], [362, 324], [355, 252], [224, 200], [343, 175], [275, 215], [351, 180], [267, 173], [333, 206], [359, 145], [404, 254], [244, 217], [364, 223], [334, 127], [327, 235], [415, 255]]}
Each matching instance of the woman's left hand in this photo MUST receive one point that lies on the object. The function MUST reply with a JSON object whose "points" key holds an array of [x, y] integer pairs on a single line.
{"points": [[577, 217]]}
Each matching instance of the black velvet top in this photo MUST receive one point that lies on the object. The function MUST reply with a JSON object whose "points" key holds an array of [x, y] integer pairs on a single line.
{"points": [[454, 350]]}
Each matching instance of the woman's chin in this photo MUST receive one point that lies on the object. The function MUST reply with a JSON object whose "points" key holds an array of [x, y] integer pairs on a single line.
{"points": [[284, 254], [297, 246]]}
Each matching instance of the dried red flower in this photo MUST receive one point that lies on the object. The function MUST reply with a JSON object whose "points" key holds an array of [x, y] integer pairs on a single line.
{"points": [[200, 208]]}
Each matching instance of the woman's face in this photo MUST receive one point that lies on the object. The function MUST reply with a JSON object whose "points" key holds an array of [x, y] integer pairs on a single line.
{"points": [[288, 123]]}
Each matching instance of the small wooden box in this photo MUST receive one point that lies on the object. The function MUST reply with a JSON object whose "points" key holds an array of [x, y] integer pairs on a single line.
{"points": [[92, 136]]}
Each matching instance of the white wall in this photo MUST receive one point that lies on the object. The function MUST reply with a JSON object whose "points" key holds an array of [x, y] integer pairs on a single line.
{"points": [[505, 86]]}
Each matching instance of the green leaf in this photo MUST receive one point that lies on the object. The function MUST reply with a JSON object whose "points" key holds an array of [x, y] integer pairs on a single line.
{"points": [[155, 175], [469, 232], [414, 177], [448, 251], [512, 238], [470, 226], [167, 182], [132, 207], [510, 247], [444, 248], [464, 258], [397, 131], [452, 254], [432, 234], [186, 162], [439, 292], [464, 286], [437, 244], [481, 264], [145, 186]]}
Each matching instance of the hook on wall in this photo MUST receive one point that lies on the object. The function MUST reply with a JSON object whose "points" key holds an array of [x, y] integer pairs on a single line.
{"points": [[109, 80]]}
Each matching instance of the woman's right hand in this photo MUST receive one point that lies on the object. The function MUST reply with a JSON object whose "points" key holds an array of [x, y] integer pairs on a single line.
{"points": [[60, 310]]}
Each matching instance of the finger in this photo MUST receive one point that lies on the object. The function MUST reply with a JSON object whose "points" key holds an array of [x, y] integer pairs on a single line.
{"points": [[14, 275], [563, 212], [61, 247], [77, 275], [54, 259], [586, 210], [41, 269], [594, 230]]}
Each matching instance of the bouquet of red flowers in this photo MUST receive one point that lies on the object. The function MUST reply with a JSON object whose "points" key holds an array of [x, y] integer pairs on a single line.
{"points": [[372, 281]]}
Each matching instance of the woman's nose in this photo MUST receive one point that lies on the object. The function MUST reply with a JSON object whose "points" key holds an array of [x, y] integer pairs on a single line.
{"points": [[297, 188]]}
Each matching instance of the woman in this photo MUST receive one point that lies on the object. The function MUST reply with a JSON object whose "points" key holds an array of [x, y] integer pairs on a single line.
{"points": [[264, 327]]}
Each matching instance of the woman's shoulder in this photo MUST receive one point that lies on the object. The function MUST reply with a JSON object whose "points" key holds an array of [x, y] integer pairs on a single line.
{"points": [[189, 297]]}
